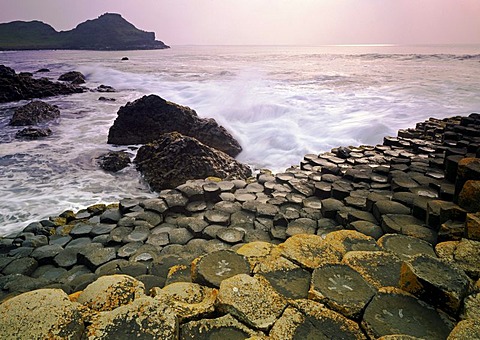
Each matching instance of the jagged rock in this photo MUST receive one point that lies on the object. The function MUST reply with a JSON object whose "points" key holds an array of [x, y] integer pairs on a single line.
{"points": [[469, 197], [173, 159], [40, 314], [224, 327], [144, 318], [146, 119], [114, 161], [34, 113], [14, 87], [188, 300], [308, 319], [105, 88], [341, 288], [73, 77], [251, 299], [211, 269], [110, 292], [434, 281], [33, 133], [393, 311]]}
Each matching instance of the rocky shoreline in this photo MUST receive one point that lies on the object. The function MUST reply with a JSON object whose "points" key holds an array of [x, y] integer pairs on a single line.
{"points": [[358, 243]]}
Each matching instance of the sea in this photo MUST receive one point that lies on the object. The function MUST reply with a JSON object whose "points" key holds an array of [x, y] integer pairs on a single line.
{"points": [[279, 102]]}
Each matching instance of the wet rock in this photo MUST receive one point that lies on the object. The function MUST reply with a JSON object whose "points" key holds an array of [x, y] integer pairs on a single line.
{"points": [[34, 113], [105, 88], [389, 207], [188, 300], [110, 216], [24, 266], [308, 319], [33, 133], [224, 327], [231, 235], [341, 288], [15, 88], [393, 311], [251, 299], [110, 292], [211, 269], [93, 257], [330, 207], [147, 118], [144, 318], [60, 318], [73, 77], [379, 268], [188, 158], [114, 161], [45, 254]]}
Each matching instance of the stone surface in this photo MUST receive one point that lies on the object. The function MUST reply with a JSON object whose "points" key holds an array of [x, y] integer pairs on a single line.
{"points": [[224, 327], [435, 282], [465, 254], [466, 330], [33, 133], [144, 318], [211, 269], [341, 288], [309, 251], [73, 77], [350, 240], [173, 159], [469, 197], [405, 247], [44, 313], [472, 226], [147, 118], [110, 292], [379, 268], [252, 300], [188, 300], [393, 311], [308, 319], [114, 161], [34, 113]]}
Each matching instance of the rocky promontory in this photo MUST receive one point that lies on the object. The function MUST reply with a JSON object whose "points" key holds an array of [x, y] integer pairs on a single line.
{"points": [[367, 242], [108, 32]]}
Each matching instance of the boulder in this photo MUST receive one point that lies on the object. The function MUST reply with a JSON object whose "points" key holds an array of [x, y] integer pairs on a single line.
{"points": [[13, 87], [40, 314], [34, 113], [33, 133], [147, 118], [173, 159], [114, 161], [73, 77]]}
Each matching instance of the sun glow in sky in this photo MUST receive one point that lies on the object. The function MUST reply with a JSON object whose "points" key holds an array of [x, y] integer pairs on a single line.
{"points": [[271, 22]]}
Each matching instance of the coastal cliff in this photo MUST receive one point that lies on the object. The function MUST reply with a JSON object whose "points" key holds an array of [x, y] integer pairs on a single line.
{"points": [[108, 32]]}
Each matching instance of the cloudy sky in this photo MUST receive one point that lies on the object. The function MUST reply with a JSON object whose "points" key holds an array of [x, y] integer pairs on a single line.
{"points": [[271, 22]]}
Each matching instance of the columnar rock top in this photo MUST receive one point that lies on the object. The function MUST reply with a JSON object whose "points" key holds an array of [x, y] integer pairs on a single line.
{"points": [[368, 242]]}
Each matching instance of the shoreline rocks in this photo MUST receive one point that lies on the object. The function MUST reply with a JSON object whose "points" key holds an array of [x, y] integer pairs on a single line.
{"points": [[15, 87], [146, 119], [381, 217], [34, 113]]}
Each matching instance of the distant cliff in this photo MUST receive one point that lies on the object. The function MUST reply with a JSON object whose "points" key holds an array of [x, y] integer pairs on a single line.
{"points": [[108, 32]]}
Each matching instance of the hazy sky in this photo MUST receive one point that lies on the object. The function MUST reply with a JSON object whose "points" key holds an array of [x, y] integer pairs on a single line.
{"points": [[271, 22]]}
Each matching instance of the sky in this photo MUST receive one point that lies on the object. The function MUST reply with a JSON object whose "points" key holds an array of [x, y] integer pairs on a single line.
{"points": [[271, 22]]}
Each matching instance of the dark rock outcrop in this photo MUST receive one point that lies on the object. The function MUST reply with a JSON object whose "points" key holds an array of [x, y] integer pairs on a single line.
{"points": [[33, 133], [15, 87], [145, 119], [73, 77], [34, 113], [173, 159], [114, 161], [108, 32]]}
